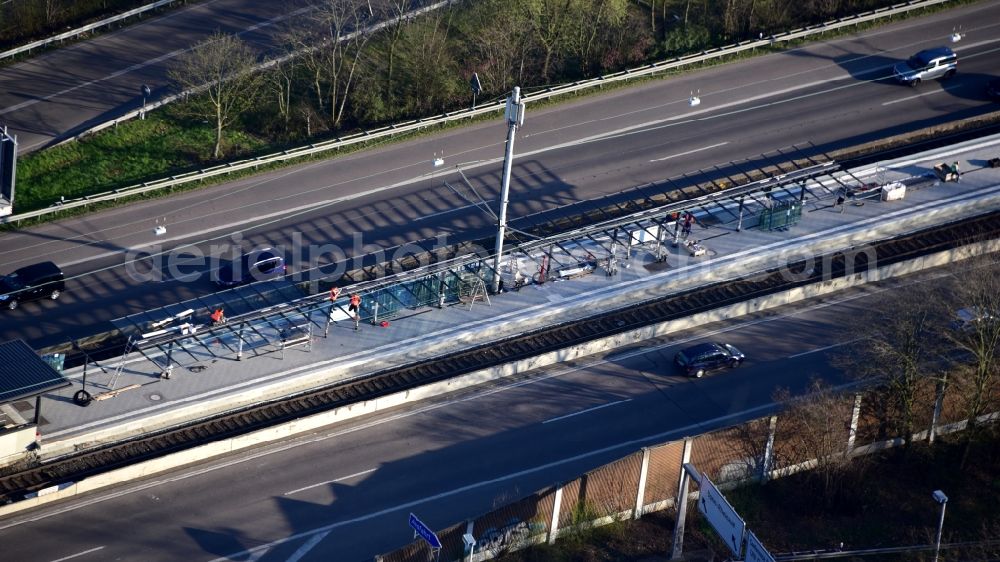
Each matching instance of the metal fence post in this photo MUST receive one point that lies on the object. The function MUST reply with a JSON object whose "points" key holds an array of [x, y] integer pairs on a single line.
{"points": [[936, 416], [469, 527], [768, 461], [556, 506], [677, 549], [641, 492], [855, 415]]}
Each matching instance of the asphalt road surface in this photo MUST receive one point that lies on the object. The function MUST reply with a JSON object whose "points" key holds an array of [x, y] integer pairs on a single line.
{"points": [[69, 90], [830, 94], [345, 493]]}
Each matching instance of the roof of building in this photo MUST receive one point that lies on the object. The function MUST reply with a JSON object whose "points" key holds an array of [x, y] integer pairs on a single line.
{"points": [[24, 374]]}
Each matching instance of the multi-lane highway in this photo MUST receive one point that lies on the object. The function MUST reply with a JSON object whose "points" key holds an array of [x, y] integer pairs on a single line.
{"points": [[344, 493], [831, 94]]}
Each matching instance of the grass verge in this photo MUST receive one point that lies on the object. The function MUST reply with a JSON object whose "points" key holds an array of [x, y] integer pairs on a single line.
{"points": [[164, 145]]}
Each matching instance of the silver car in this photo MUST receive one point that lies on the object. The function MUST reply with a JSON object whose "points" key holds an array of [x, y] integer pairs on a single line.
{"points": [[929, 64]]}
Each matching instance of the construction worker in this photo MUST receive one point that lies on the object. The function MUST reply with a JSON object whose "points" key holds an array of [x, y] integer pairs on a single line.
{"points": [[355, 307], [334, 294], [218, 317]]}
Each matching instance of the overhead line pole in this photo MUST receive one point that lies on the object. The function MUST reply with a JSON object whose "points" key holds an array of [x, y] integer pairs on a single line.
{"points": [[514, 113]]}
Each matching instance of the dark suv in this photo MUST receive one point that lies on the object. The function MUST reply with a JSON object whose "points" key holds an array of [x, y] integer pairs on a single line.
{"points": [[258, 265], [940, 62], [699, 359], [40, 281]]}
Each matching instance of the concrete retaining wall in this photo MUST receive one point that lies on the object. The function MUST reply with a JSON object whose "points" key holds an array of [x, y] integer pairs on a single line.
{"points": [[310, 423]]}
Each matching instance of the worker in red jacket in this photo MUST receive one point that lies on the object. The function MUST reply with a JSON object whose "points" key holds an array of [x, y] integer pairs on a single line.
{"points": [[218, 317]]}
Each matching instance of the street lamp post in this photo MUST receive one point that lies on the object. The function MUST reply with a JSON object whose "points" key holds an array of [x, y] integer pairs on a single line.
{"points": [[943, 500]]}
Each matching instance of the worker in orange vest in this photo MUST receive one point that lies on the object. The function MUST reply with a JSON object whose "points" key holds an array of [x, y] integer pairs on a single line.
{"points": [[218, 317], [334, 294]]}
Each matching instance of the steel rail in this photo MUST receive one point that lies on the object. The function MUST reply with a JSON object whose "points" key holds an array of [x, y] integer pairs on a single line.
{"points": [[16, 482]]}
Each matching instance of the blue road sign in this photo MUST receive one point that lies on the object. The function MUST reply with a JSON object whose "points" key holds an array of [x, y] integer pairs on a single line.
{"points": [[424, 531]]}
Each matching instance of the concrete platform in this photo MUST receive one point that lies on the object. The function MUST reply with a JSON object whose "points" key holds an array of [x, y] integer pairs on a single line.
{"points": [[216, 384]]}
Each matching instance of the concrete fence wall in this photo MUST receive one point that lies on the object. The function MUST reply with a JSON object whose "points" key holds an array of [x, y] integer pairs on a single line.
{"points": [[642, 482]]}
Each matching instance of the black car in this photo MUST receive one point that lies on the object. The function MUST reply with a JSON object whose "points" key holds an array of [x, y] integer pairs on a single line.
{"points": [[699, 359], [39, 281], [258, 265]]}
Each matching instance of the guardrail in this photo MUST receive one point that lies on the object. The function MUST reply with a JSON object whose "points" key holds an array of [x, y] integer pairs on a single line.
{"points": [[84, 29], [364, 136]]}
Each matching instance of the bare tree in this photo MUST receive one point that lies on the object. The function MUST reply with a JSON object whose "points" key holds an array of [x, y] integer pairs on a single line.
{"points": [[587, 37], [977, 335], [339, 26], [396, 12], [501, 49], [550, 22], [304, 40], [900, 344], [221, 71], [430, 70], [53, 11], [813, 429], [750, 445], [280, 82]]}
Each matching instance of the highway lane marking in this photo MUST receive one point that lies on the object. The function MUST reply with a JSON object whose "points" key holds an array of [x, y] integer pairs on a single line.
{"points": [[341, 479], [263, 552], [304, 549], [143, 64], [587, 410], [595, 138], [831, 346], [313, 206], [637, 283], [420, 410], [874, 70], [78, 554], [691, 151], [632, 443], [925, 94], [555, 373], [282, 215], [602, 136], [428, 408]]}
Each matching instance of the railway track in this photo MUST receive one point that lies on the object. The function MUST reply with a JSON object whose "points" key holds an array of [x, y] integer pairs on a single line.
{"points": [[15, 483]]}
